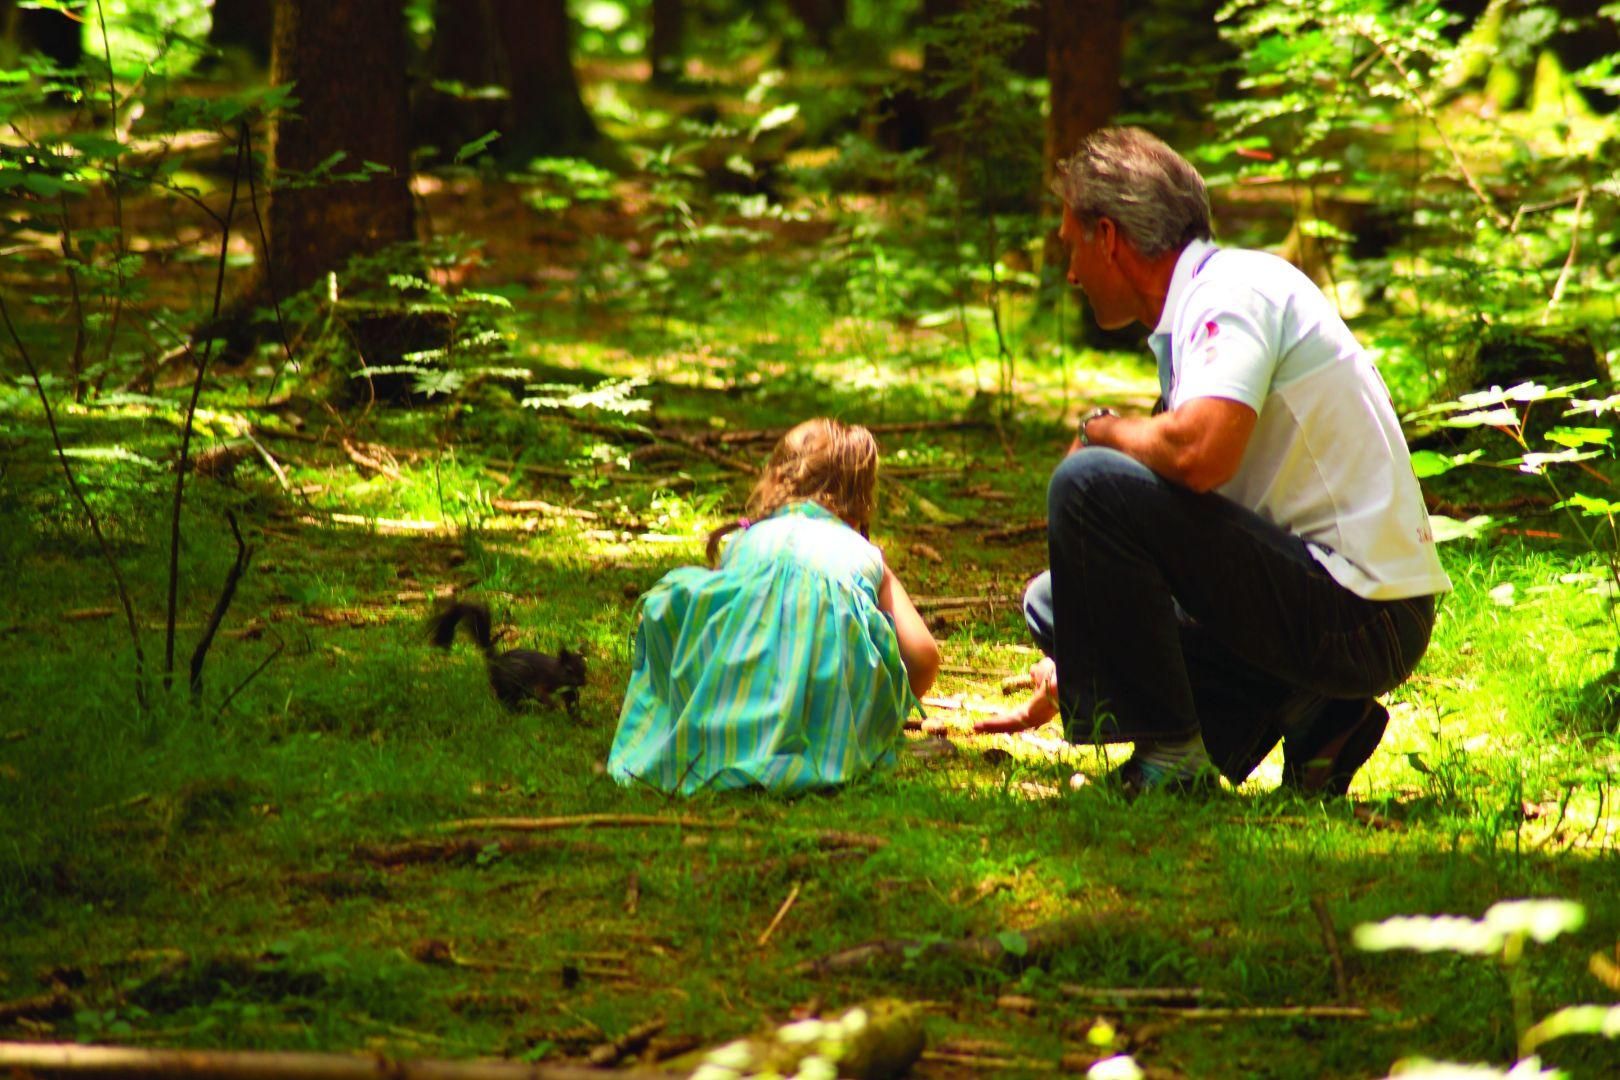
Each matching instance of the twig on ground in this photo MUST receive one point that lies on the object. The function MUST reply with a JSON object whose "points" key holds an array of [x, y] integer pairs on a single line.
{"points": [[1255, 1012], [275, 466], [1373, 819], [414, 852], [1014, 683], [631, 1042], [254, 674], [989, 949], [781, 913], [49, 1006], [1160, 994], [632, 893], [1330, 941], [983, 1061], [1013, 532], [360, 455], [227, 593], [84, 614]]}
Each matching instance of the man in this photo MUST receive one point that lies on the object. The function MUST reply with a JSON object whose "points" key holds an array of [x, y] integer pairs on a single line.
{"points": [[1252, 562]]}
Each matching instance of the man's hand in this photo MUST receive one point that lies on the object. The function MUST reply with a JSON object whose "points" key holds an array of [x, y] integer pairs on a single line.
{"points": [[1041, 706]]}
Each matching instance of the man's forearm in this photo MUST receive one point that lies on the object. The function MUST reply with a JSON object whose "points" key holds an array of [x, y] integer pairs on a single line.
{"points": [[1199, 445]]}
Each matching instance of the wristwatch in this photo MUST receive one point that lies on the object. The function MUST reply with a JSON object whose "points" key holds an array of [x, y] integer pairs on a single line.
{"points": [[1088, 418]]}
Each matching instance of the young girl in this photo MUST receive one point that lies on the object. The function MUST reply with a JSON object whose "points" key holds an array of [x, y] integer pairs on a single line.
{"points": [[793, 663]]}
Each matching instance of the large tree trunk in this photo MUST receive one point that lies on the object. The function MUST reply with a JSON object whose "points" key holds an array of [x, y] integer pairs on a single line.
{"points": [[523, 47], [243, 24], [1085, 44], [822, 18], [40, 30], [348, 63], [666, 46]]}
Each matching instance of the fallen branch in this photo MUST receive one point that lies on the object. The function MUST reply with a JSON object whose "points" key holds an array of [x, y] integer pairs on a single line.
{"points": [[935, 603], [1013, 532], [899, 428], [988, 949], [631, 1042], [132, 1063], [1256, 1012], [829, 839], [49, 1006], [538, 506], [417, 852], [586, 821], [1330, 942]]}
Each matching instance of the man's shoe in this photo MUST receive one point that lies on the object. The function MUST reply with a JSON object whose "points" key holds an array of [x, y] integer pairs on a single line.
{"points": [[1325, 765], [1138, 777]]}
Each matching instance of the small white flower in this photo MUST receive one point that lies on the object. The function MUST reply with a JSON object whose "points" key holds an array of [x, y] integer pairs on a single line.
{"points": [[1543, 920], [714, 1072], [804, 1031], [735, 1056], [1118, 1067], [816, 1067]]}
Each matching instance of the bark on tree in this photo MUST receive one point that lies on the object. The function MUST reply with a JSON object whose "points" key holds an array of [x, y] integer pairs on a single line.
{"points": [[243, 24], [348, 63], [1085, 44], [822, 18], [39, 30], [521, 46], [666, 45]]}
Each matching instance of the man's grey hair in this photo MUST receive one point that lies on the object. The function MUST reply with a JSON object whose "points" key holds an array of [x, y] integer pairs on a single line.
{"points": [[1134, 179]]}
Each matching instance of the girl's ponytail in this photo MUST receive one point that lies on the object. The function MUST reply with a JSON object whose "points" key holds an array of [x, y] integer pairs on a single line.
{"points": [[712, 551]]}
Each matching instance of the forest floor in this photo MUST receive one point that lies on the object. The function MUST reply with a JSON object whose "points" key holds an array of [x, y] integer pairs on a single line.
{"points": [[319, 860]]}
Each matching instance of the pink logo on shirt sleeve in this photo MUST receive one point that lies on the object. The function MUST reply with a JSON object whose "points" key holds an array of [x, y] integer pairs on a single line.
{"points": [[1210, 328]]}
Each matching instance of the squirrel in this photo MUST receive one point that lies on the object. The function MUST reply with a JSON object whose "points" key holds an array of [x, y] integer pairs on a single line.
{"points": [[516, 675]]}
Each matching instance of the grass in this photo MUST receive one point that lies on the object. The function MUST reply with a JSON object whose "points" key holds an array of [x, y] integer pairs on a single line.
{"points": [[199, 876]]}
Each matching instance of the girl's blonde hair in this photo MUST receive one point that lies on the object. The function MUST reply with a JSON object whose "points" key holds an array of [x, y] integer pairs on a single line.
{"points": [[824, 461]]}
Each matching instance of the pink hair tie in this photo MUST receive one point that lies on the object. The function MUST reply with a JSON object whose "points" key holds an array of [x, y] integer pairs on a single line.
{"points": [[743, 523]]}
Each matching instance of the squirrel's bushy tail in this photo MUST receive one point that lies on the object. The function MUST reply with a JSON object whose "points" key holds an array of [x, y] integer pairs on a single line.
{"points": [[442, 628]]}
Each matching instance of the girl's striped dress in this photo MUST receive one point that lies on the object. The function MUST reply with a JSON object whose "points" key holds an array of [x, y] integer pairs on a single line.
{"points": [[776, 670]]}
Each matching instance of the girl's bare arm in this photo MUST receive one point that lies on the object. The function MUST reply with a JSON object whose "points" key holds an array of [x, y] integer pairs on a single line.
{"points": [[918, 649]]}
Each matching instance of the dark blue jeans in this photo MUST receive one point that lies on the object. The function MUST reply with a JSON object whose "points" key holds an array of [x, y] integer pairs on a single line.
{"points": [[1169, 612]]}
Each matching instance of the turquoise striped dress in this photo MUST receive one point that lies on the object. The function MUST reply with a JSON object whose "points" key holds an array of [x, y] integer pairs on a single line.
{"points": [[776, 670]]}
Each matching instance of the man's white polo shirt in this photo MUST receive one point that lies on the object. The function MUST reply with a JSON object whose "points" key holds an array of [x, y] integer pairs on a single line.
{"points": [[1327, 460]]}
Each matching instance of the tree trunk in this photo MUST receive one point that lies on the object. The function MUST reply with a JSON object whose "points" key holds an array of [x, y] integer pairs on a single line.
{"points": [[1085, 44], [43, 31], [523, 47], [822, 18], [666, 45], [348, 63], [245, 25]]}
